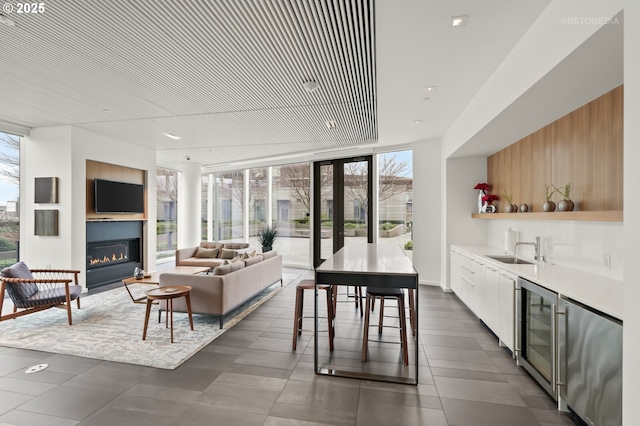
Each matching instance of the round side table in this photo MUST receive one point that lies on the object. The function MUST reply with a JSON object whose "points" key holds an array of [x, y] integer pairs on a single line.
{"points": [[168, 294]]}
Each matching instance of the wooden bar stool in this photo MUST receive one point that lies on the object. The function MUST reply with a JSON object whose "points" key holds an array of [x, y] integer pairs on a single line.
{"points": [[297, 321], [386, 293]]}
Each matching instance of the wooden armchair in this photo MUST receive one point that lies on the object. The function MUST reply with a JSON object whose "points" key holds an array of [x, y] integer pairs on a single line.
{"points": [[33, 290]]}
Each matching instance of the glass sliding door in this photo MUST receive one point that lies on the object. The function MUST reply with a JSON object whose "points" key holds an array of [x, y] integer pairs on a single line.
{"points": [[342, 208]]}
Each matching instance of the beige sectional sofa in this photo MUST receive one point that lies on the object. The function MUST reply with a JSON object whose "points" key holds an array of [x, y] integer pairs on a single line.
{"points": [[209, 254], [227, 286]]}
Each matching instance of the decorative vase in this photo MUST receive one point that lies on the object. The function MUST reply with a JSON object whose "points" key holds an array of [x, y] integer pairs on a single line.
{"points": [[514, 208], [524, 207], [488, 208], [266, 248], [508, 208], [138, 273], [565, 206], [549, 206], [481, 194]]}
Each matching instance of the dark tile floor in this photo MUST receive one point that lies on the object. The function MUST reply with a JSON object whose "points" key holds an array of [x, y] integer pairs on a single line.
{"points": [[250, 376]]}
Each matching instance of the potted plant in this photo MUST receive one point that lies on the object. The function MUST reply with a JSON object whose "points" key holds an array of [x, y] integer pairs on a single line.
{"points": [[566, 205], [549, 205], [266, 237], [510, 207]]}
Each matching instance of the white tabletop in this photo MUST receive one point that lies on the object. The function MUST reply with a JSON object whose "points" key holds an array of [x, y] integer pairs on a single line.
{"points": [[363, 258]]}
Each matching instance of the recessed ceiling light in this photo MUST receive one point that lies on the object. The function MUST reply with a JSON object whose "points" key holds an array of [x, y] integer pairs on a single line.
{"points": [[172, 136], [417, 121], [4, 20], [106, 111], [431, 88], [458, 21], [331, 124], [426, 99]]}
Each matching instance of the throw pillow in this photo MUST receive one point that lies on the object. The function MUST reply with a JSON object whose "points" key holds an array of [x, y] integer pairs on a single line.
{"points": [[228, 253], [222, 270], [244, 256], [19, 292], [207, 253], [253, 254], [17, 270]]}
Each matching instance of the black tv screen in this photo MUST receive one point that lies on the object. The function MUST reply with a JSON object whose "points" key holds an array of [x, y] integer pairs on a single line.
{"points": [[118, 197]]}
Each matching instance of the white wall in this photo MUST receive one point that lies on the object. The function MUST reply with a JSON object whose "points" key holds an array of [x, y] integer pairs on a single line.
{"points": [[581, 245], [63, 151], [631, 328], [460, 200], [47, 153], [426, 211]]}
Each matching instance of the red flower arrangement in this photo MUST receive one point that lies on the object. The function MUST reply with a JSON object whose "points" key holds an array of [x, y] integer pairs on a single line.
{"points": [[483, 186], [488, 199]]}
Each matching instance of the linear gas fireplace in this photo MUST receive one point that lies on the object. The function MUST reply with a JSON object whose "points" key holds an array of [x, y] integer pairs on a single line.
{"points": [[114, 250]]}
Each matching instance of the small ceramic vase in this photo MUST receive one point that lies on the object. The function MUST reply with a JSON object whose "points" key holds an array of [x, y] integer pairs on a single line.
{"points": [[566, 206], [549, 206], [524, 208]]}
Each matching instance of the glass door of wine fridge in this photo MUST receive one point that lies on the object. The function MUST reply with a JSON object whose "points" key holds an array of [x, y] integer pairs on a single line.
{"points": [[537, 332]]}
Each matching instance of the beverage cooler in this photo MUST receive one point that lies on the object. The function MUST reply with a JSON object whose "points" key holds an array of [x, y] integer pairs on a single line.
{"points": [[573, 351]]}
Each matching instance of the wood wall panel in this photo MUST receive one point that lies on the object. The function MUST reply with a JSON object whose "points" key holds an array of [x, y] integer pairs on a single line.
{"points": [[96, 169], [583, 148]]}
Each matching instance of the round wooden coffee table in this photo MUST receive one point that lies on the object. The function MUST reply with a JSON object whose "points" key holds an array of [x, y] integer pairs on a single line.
{"points": [[168, 294]]}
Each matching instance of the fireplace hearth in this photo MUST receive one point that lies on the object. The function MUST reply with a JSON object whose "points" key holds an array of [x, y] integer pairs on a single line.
{"points": [[114, 250]]}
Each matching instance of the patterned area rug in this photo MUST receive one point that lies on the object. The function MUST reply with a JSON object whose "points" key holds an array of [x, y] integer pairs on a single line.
{"points": [[109, 327]]}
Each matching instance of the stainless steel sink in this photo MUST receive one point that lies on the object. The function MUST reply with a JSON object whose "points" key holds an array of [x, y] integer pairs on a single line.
{"points": [[510, 259]]}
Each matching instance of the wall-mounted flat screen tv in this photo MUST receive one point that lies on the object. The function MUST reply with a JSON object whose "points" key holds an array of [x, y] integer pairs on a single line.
{"points": [[118, 197]]}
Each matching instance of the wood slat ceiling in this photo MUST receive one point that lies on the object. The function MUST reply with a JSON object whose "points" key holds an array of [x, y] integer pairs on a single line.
{"points": [[219, 73]]}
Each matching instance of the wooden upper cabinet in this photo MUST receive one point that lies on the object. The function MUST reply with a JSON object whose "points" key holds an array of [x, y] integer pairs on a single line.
{"points": [[583, 148]]}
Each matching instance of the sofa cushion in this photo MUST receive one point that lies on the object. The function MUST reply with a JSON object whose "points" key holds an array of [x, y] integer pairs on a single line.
{"points": [[207, 253], [222, 269], [269, 254], [228, 253], [236, 259], [252, 260], [237, 265], [236, 246], [211, 244], [228, 268]]}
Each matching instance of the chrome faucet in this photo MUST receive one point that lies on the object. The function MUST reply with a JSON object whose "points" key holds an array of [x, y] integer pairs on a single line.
{"points": [[536, 247]]}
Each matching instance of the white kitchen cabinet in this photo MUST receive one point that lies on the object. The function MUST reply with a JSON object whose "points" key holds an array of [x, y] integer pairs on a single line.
{"points": [[456, 272], [468, 272], [492, 298], [507, 316]]}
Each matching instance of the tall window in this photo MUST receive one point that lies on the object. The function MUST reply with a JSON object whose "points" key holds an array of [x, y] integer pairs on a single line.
{"points": [[9, 198], [395, 198], [204, 209], [257, 199], [291, 207], [230, 205], [167, 211]]}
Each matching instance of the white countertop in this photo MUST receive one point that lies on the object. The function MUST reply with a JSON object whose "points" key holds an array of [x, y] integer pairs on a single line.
{"points": [[601, 293]]}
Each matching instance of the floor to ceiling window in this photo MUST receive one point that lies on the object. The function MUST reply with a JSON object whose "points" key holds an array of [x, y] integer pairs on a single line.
{"points": [[237, 204], [291, 207], [230, 206], [9, 198], [167, 212], [395, 198]]}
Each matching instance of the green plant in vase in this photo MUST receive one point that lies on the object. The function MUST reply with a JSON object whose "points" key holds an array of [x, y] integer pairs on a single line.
{"points": [[549, 205], [510, 207], [266, 237], [566, 205]]}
